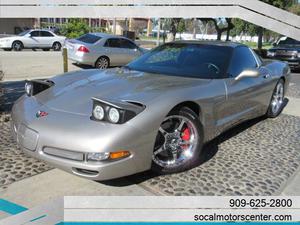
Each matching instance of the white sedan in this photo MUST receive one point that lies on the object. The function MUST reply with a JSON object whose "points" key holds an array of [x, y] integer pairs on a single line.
{"points": [[34, 39]]}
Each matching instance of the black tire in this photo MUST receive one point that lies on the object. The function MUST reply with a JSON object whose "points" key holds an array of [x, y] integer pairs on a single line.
{"points": [[194, 158], [272, 110], [7, 49], [46, 49], [17, 46], [56, 46], [102, 63]]}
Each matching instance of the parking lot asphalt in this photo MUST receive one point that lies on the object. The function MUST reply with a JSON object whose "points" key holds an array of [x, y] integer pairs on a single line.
{"points": [[260, 157], [32, 64]]}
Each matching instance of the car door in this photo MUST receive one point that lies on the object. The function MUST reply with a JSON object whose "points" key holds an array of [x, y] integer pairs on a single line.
{"points": [[32, 40], [112, 49], [246, 97], [46, 39], [130, 50]]}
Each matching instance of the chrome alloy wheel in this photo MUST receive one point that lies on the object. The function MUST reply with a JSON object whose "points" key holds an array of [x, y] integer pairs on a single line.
{"points": [[277, 98], [17, 46], [102, 63], [176, 143], [56, 46]]}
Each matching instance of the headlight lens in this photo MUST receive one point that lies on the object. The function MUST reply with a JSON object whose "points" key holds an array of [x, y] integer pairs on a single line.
{"points": [[270, 54], [114, 115], [98, 112], [98, 156], [28, 88]]}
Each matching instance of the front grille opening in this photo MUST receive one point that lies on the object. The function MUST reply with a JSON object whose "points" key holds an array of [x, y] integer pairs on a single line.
{"points": [[85, 172]]}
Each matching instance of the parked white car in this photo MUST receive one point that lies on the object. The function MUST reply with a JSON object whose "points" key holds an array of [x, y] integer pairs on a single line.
{"points": [[102, 50], [34, 39]]}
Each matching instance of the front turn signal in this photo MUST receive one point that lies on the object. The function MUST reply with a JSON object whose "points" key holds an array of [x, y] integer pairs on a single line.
{"points": [[119, 155]]}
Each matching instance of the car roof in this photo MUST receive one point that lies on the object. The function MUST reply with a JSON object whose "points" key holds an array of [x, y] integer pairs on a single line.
{"points": [[215, 43], [105, 35], [40, 30]]}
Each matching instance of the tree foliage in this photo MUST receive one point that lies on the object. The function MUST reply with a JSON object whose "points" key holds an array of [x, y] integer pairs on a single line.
{"points": [[75, 28], [295, 9], [243, 27]]}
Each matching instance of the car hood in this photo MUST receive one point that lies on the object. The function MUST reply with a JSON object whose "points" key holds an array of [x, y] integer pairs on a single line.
{"points": [[8, 37], [73, 92]]}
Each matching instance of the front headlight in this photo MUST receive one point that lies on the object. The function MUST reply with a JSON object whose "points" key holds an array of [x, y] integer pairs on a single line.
{"points": [[98, 112], [28, 88], [113, 115], [270, 54], [112, 112], [34, 87], [98, 156], [298, 55]]}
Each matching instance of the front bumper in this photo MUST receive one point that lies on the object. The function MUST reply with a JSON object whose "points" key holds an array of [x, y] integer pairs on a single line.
{"points": [[292, 61], [5, 44], [72, 136]]}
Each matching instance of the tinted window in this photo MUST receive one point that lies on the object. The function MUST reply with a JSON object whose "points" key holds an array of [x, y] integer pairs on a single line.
{"points": [[289, 41], [186, 60], [242, 59], [127, 44], [46, 34], [35, 34], [113, 43], [24, 33], [89, 38]]}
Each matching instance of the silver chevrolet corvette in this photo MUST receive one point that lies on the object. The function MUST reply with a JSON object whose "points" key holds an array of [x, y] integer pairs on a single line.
{"points": [[154, 113]]}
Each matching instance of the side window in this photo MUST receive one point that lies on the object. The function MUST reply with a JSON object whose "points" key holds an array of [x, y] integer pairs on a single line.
{"points": [[35, 34], [113, 43], [127, 44], [242, 59], [46, 34]]}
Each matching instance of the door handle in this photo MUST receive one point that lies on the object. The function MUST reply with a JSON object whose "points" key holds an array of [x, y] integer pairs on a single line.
{"points": [[266, 76]]}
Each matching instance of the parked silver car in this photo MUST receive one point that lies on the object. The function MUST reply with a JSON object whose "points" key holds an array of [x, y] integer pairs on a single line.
{"points": [[38, 38], [102, 50], [156, 112]]}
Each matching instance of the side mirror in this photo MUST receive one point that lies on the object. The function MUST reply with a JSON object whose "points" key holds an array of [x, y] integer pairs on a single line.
{"points": [[274, 44], [248, 73]]}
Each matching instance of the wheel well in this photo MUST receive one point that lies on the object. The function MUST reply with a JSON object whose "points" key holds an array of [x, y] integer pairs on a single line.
{"points": [[17, 41], [56, 42], [103, 56], [283, 78], [191, 105]]}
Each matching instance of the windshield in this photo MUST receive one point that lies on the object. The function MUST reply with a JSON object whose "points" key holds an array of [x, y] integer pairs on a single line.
{"points": [[89, 38], [289, 41], [24, 32], [186, 60]]}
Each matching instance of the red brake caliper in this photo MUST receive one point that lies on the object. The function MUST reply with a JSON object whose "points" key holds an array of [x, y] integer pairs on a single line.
{"points": [[185, 136]]}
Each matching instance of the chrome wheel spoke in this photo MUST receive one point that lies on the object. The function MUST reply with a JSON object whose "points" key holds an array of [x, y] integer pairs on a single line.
{"points": [[162, 131], [182, 122], [158, 151], [175, 155]]}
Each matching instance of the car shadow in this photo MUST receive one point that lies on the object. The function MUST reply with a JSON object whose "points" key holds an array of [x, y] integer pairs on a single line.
{"points": [[81, 66], [11, 92], [209, 150]]}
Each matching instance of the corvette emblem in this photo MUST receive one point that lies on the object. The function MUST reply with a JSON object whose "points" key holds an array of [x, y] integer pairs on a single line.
{"points": [[41, 114]]}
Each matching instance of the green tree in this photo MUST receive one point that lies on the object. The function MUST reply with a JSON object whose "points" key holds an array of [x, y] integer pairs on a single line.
{"points": [[295, 8], [282, 4], [220, 25], [181, 27], [75, 28]]}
